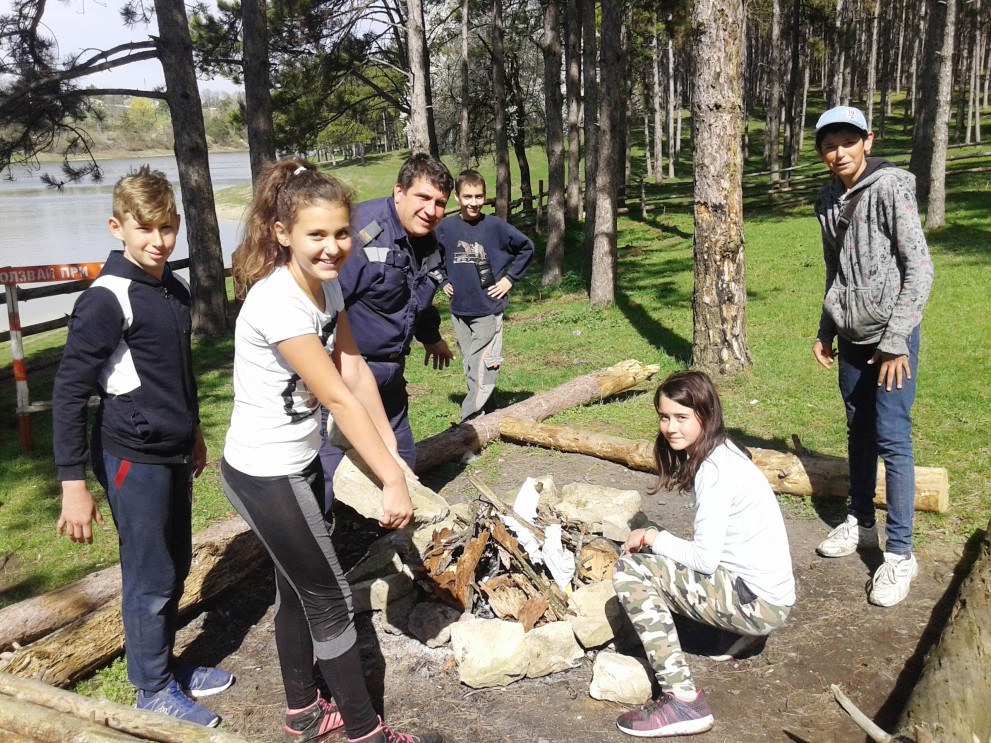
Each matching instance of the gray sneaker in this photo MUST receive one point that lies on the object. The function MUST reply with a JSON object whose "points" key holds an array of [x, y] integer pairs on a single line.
{"points": [[892, 580], [847, 538]]}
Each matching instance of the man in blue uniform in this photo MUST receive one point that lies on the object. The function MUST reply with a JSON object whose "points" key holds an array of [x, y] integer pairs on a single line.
{"points": [[388, 284]]}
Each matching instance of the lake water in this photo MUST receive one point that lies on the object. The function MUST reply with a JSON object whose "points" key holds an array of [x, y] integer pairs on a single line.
{"points": [[40, 226]]}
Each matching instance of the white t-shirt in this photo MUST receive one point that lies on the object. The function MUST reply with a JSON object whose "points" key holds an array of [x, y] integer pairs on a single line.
{"points": [[275, 426], [738, 526]]}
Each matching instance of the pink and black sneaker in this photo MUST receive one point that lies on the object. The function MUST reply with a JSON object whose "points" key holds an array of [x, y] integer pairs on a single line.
{"points": [[667, 716], [312, 723]]}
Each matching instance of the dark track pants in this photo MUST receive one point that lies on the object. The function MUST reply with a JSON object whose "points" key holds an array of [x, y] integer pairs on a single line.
{"points": [[152, 507]]}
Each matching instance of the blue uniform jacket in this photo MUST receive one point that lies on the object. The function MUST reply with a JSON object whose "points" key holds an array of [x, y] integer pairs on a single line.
{"points": [[389, 283]]}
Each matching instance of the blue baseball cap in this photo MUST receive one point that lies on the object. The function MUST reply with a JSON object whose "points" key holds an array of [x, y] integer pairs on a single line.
{"points": [[843, 115]]}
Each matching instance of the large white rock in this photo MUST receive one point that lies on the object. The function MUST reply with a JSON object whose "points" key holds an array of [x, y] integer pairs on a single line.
{"points": [[598, 614], [489, 652], [430, 623], [378, 593], [620, 678], [552, 647], [355, 486], [604, 509]]}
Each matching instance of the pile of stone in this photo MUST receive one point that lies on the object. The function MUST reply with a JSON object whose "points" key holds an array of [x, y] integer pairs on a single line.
{"points": [[461, 575]]}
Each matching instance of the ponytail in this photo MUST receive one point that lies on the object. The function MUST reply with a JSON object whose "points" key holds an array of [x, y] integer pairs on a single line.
{"points": [[283, 188]]}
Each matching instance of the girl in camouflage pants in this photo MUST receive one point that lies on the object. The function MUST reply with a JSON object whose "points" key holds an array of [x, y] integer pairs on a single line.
{"points": [[735, 574]]}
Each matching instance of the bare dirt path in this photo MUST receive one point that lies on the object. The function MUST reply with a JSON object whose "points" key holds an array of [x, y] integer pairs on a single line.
{"points": [[833, 636]]}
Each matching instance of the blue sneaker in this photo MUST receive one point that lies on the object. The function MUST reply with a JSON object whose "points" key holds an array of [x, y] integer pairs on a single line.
{"points": [[201, 681], [172, 702]]}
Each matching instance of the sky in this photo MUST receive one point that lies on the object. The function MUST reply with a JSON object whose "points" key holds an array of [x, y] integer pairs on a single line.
{"points": [[81, 24]]}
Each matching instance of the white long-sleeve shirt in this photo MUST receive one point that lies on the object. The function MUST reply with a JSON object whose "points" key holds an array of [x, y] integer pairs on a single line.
{"points": [[738, 526]]}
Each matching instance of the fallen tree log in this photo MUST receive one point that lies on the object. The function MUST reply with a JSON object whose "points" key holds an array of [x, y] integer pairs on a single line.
{"points": [[41, 713], [474, 434], [92, 641], [951, 696], [788, 474], [38, 616]]}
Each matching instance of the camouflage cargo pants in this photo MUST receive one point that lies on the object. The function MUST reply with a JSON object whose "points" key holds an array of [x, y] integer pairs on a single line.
{"points": [[651, 588]]}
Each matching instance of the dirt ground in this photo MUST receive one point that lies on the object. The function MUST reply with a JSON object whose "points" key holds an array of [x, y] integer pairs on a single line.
{"points": [[832, 636]]}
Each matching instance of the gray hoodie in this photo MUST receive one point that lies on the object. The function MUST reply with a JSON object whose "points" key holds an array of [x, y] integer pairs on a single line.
{"points": [[878, 284]]}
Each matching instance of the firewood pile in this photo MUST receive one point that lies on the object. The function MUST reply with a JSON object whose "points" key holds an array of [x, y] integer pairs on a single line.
{"points": [[479, 565]]}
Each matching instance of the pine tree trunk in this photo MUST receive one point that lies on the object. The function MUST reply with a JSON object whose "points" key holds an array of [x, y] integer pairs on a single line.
{"points": [[657, 99], [719, 342], [774, 96], [573, 88], [673, 140], [590, 84], [928, 161], [602, 291], [257, 84], [553, 109], [872, 66], [419, 72], [206, 261], [465, 91], [503, 178]]}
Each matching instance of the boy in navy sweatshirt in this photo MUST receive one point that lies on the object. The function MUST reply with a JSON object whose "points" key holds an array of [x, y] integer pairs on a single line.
{"points": [[129, 342], [484, 257]]}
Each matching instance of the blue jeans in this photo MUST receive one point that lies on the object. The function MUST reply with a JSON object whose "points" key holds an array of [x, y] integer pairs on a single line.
{"points": [[152, 507], [879, 423]]}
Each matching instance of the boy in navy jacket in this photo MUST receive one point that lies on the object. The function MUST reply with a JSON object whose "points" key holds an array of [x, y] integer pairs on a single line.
{"points": [[484, 257], [129, 342]]}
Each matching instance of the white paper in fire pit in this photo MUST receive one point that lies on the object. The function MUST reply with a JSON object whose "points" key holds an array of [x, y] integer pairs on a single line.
{"points": [[526, 500]]}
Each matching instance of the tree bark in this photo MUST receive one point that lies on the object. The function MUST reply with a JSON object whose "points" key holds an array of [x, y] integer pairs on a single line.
{"points": [[206, 261], [591, 100], [422, 138], [773, 122], [465, 91], [952, 694], [114, 720], [519, 134], [550, 45], [929, 141], [474, 434], [573, 88], [38, 616], [257, 84], [503, 178], [788, 474], [719, 300], [602, 291], [872, 65], [91, 641], [658, 100]]}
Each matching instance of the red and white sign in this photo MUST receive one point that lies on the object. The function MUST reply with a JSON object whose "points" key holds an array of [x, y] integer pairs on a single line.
{"points": [[56, 272]]}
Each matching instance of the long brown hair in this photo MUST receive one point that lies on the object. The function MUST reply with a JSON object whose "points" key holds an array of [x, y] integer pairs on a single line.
{"points": [[693, 389], [283, 188]]}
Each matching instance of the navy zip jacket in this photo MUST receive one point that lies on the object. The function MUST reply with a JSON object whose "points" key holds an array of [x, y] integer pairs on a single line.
{"points": [[129, 341], [389, 282]]}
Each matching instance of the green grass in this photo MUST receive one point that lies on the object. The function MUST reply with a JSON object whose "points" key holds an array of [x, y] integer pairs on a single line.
{"points": [[551, 336]]}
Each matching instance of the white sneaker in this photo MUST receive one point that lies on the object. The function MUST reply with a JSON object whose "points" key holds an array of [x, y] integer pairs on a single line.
{"points": [[847, 538], [892, 580]]}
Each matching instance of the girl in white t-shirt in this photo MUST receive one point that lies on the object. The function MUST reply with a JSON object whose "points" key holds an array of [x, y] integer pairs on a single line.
{"points": [[293, 351], [735, 574]]}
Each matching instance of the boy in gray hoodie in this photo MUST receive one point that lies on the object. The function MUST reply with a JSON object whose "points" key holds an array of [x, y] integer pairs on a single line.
{"points": [[878, 277]]}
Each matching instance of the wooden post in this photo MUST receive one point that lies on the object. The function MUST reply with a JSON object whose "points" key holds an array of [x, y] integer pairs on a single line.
{"points": [[20, 370]]}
